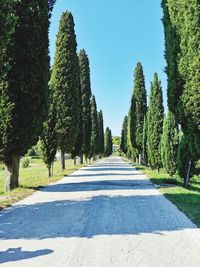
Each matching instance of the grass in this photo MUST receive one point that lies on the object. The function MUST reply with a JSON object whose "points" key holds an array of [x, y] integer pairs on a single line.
{"points": [[31, 179], [186, 199]]}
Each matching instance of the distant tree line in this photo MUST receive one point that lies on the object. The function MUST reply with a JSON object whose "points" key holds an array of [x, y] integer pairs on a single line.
{"points": [[171, 141], [54, 106]]}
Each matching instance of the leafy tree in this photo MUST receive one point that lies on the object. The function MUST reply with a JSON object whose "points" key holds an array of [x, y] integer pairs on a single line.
{"points": [[144, 141], [138, 109], [124, 135], [169, 143], [86, 95], [108, 142], [94, 145], [65, 83], [183, 17], [24, 75], [101, 133], [155, 124], [48, 140]]}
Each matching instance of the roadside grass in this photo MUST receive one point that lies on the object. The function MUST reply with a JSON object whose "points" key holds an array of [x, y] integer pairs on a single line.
{"points": [[186, 200], [31, 179]]}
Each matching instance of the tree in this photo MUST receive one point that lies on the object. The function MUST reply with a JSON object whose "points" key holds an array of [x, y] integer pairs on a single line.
{"points": [[94, 145], [138, 109], [108, 142], [86, 95], [101, 133], [65, 83], [144, 141], [169, 143], [48, 139], [155, 124], [124, 133], [184, 64], [24, 75], [184, 157]]}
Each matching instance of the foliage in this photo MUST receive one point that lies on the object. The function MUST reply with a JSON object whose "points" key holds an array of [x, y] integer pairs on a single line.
{"points": [[48, 139], [145, 141], [124, 135], [94, 145], [108, 142], [184, 156], [169, 143], [183, 17], [116, 140], [65, 83], [86, 95], [25, 162], [24, 75], [138, 108], [101, 133], [155, 123]]}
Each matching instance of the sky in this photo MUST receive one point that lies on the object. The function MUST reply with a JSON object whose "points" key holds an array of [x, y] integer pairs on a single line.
{"points": [[116, 34]]}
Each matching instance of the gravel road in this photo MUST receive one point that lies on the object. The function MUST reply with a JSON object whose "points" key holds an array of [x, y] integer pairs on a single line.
{"points": [[104, 215]]}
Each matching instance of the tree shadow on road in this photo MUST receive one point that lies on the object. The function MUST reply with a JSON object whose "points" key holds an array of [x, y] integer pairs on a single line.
{"points": [[16, 254], [92, 216]]}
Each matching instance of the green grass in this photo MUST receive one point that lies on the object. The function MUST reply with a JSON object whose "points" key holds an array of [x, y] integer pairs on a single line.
{"points": [[186, 199], [31, 179]]}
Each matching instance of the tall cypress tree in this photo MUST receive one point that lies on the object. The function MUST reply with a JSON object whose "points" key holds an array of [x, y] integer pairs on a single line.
{"points": [[94, 145], [108, 142], [48, 139], [145, 141], [155, 124], [86, 95], [65, 82], [169, 143], [101, 133], [124, 135], [24, 75], [183, 16]]}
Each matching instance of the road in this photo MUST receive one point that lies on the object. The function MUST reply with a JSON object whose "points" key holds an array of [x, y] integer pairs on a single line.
{"points": [[107, 214]]}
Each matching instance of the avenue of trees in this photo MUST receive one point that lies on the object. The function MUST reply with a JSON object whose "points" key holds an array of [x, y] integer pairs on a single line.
{"points": [[52, 107], [171, 141]]}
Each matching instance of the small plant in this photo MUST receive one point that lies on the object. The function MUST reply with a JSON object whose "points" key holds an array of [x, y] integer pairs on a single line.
{"points": [[2, 167], [25, 162]]}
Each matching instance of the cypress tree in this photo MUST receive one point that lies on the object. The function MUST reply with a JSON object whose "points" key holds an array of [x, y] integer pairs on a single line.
{"points": [[184, 18], [65, 82], [48, 139], [138, 109], [101, 133], [86, 95], [169, 143], [155, 124], [108, 142], [131, 151], [94, 145], [124, 135], [24, 75], [144, 141]]}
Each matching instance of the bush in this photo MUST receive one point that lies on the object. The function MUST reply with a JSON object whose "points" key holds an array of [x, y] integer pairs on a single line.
{"points": [[25, 162], [2, 167]]}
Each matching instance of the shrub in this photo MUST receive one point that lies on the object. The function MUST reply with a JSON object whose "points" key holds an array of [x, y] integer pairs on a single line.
{"points": [[25, 162]]}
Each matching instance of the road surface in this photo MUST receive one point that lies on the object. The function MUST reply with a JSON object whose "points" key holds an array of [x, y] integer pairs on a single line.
{"points": [[104, 215]]}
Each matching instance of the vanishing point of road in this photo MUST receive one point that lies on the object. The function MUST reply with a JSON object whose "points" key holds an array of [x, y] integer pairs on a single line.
{"points": [[106, 214]]}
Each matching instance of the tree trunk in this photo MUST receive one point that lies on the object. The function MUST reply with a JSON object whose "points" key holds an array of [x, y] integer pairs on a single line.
{"points": [[81, 158], [49, 170], [140, 158], [12, 179], [75, 161], [62, 159]]}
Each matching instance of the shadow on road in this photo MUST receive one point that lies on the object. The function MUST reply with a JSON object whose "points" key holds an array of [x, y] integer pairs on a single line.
{"points": [[16, 254], [89, 217]]}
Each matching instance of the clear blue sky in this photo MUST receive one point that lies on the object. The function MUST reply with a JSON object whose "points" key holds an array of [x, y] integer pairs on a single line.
{"points": [[116, 34]]}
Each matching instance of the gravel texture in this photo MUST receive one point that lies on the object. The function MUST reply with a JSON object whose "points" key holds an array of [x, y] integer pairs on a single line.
{"points": [[107, 214]]}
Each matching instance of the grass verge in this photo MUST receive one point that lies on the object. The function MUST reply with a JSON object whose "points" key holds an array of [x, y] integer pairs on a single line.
{"points": [[31, 179], [187, 200]]}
